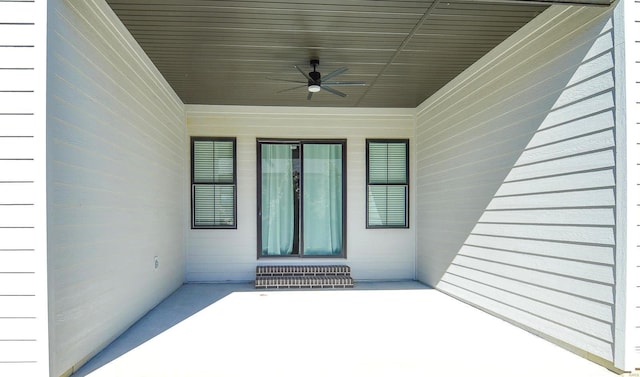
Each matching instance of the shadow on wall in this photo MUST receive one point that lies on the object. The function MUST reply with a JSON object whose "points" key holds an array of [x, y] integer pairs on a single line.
{"points": [[515, 141], [519, 204]]}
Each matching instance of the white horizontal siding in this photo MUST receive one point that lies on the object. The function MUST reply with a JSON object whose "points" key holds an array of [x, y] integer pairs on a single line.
{"points": [[634, 99], [221, 255], [516, 181], [23, 249], [631, 79], [116, 150]]}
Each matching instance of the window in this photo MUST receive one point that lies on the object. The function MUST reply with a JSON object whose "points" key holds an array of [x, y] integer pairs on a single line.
{"points": [[213, 182], [387, 183]]}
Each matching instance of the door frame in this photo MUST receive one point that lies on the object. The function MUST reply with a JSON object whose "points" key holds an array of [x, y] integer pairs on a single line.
{"points": [[259, 142]]}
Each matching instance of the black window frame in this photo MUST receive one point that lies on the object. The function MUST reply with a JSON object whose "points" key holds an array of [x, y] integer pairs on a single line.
{"points": [[234, 183], [301, 142], [406, 224]]}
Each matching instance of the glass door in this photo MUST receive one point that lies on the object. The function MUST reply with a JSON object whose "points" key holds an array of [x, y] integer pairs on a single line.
{"points": [[322, 199], [301, 209], [279, 217]]}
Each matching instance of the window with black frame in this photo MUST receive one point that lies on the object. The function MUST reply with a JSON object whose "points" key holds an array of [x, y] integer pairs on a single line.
{"points": [[213, 183], [387, 183]]}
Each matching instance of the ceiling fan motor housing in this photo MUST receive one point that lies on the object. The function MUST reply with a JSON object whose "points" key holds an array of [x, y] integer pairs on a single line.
{"points": [[315, 77], [314, 82]]}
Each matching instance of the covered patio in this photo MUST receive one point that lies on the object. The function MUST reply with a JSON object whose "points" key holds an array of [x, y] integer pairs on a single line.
{"points": [[399, 328], [519, 193]]}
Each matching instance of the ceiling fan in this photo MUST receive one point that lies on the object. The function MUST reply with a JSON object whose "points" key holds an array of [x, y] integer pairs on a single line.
{"points": [[315, 82]]}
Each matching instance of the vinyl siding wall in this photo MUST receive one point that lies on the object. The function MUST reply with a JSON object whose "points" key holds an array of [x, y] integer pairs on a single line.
{"points": [[23, 233], [634, 101], [221, 255], [116, 149], [516, 181], [631, 44]]}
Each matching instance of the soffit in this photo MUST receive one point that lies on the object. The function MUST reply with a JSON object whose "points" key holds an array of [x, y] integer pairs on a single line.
{"points": [[226, 52]]}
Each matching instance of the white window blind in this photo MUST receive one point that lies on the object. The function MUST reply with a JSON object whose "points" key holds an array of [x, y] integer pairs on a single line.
{"points": [[213, 183], [387, 183]]}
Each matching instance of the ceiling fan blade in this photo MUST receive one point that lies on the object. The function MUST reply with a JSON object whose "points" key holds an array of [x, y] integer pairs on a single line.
{"points": [[305, 74], [345, 83], [334, 91], [335, 73], [288, 89], [296, 81], [309, 96]]}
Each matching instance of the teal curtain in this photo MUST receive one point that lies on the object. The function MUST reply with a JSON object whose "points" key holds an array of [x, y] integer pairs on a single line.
{"points": [[277, 199], [322, 198]]}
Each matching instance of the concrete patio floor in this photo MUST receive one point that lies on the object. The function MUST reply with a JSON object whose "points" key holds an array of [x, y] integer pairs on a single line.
{"points": [[376, 329]]}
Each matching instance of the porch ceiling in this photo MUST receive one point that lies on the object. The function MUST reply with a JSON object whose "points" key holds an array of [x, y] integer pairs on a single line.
{"points": [[226, 52]]}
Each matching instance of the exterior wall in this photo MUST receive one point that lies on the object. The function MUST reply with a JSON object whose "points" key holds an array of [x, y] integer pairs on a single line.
{"points": [[116, 149], [23, 234], [629, 40], [516, 182], [220, 255], [632, 21]]}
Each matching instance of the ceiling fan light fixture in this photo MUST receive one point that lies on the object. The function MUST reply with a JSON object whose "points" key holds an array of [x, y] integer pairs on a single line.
{"points": [[315, 83]]}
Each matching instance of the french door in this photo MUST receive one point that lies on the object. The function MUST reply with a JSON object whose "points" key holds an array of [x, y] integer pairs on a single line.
{"points": [[301, 198]]}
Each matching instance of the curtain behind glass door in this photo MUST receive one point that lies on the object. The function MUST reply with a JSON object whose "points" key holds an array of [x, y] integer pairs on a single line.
{"points": [[322, 199], [277, 199]]}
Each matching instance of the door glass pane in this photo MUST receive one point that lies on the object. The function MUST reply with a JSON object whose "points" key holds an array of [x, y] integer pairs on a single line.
{"points": [[322, 199], [277, 204]]}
